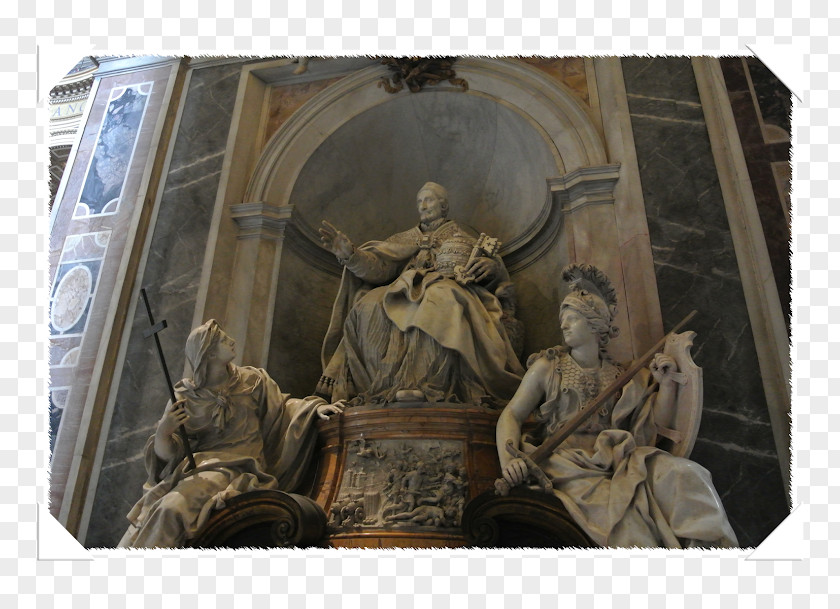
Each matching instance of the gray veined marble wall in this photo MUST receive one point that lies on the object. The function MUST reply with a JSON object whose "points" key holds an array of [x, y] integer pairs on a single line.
{"points": [[171, 277], [696, 268]]}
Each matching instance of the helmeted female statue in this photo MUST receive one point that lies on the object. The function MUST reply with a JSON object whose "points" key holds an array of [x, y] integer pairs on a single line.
{"points": [[619, 488]]}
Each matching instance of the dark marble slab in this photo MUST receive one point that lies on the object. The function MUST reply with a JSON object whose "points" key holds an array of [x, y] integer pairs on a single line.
{"points": [[301, 317], [749, 489], [664, 78], [767, 101], [771, 95], [171, 276], [696, 268]]}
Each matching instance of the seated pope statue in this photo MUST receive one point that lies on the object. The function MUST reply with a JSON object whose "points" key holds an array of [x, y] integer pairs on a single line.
{"points": [[409, 323]]}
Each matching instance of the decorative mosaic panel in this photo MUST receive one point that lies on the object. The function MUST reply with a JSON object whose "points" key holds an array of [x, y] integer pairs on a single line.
{"points": [[114, 150], [75, 283], [73, 291]]}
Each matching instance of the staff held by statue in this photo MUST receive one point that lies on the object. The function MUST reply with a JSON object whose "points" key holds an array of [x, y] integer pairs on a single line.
{"points": [[153, 331]]}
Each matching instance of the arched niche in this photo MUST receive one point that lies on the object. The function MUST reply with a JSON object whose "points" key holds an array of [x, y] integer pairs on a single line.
{"points": [[518, 152], [551, 109], [364, 176]]}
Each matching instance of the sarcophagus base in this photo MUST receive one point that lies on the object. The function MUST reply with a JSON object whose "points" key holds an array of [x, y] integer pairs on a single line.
{"points": [[399, 475]]}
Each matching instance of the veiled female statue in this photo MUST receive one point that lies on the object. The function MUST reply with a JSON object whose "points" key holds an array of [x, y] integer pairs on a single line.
{"points": [[245, 435], [619, 488], [409, 324]]}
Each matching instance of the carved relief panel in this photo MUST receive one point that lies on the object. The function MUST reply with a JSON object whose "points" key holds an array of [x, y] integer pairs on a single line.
{"points": [[401, 484]]}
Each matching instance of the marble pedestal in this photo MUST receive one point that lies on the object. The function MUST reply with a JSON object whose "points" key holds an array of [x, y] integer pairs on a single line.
{"points": [[400, 475]]}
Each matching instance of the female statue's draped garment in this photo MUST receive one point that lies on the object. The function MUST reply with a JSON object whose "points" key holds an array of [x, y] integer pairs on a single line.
{"points": [[419, 330], [245, 437], [620, 489]]}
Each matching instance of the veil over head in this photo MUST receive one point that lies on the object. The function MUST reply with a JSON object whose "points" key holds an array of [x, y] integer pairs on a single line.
{"points": [[199, 343]]}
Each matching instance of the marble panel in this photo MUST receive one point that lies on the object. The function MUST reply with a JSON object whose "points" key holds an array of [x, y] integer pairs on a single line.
{"points": [[665, 78], [696, 268], [748, 485], [75, 282], [571, 71], [283, 100], [302, 310], [110, 274], [120, 479]]}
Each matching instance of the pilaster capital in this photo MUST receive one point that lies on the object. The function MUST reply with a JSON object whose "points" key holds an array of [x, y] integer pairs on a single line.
{"points": [[262, 220]]}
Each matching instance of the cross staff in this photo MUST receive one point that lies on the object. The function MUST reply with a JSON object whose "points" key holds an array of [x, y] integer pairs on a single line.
{"points": [[546, 448], [153, 331]]}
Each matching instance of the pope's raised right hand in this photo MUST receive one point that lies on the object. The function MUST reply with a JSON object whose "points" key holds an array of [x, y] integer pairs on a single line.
{"points": [[335, 241]]}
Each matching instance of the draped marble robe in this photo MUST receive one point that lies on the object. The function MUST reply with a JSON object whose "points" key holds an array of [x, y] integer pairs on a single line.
{"points": [[248, 436], [419, 329], [619, 488]]}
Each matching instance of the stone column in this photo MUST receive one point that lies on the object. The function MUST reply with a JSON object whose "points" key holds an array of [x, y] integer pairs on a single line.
{"points": [[253, 284], [637, 275]]}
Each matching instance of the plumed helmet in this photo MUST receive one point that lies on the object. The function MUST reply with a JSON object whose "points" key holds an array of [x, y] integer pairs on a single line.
{"points": [[593, 296]]}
